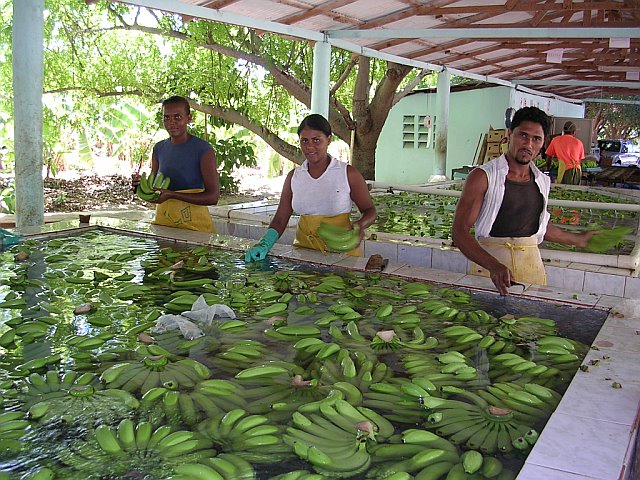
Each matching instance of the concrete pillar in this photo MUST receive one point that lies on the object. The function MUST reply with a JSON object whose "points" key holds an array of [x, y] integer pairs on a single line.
{"points": [[442, 125], [321, 78], [28, 77]]}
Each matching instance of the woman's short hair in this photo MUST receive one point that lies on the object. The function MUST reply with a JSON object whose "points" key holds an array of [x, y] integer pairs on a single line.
{"points": [[315, 121], [178, 100]]}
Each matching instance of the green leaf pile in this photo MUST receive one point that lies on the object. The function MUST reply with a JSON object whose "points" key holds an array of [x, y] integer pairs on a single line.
{"points": [[607, 239]]}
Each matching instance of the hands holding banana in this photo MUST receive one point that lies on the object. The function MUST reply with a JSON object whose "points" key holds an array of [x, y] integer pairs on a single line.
{"points": [[149, 188], [340, 239]]}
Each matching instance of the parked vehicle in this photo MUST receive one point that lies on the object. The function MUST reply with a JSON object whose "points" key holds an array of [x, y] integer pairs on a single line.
{"points": [[618, 152]]}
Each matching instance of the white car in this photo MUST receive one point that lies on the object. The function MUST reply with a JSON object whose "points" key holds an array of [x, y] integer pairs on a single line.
{"points": [[618, 152]]}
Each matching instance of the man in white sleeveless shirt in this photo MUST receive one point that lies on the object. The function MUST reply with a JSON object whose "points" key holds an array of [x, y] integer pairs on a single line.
{"points": [[506, 200]]}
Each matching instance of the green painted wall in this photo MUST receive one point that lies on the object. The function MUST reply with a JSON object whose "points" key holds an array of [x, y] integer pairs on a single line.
{"points": [[405, 153]]}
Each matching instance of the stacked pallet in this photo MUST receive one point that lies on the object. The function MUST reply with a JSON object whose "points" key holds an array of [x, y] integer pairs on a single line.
{"points": [[490, 146]]}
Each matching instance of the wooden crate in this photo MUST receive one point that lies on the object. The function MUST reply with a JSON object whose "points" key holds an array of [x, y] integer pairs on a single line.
{"points": [[494, 150], [495, 136]]}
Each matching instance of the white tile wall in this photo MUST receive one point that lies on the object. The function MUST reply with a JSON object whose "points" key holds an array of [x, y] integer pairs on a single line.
{"points": [[222, 228], [450, 260], [567, 278], [255, 231], [387, 250], [602, 283], [632, 287], [415, 255], [555, 450]]}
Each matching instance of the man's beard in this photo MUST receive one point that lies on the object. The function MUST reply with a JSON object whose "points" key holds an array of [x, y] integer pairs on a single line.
{"points": [[523, 161]]}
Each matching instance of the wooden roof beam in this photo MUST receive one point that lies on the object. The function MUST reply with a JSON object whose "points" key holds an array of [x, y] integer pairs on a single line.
{"points": [[322, 9], [535, 6]]}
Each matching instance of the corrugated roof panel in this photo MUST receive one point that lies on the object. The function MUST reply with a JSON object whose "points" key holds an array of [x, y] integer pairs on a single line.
{"points": [[466, 15], [261, 9], [319, 22], [368, 10]]}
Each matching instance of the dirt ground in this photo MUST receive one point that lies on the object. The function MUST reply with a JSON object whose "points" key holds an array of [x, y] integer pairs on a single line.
{"points": [[105, 192]]}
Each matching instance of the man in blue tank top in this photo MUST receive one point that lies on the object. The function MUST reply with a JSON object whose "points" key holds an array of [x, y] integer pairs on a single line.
{"points": [[190, 163]]}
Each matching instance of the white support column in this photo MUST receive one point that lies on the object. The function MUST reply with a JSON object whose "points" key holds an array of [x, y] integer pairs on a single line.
{"points": [[442, 125], [28, 77], [321, 79]]}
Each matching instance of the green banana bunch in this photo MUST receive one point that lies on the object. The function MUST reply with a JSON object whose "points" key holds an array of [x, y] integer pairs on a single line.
{"points": [[416, 288], [339, 239], [393, 402], [13, 426], [524, 329], [530, 403], [504, 364], [208, 398], [330, 284], [226, 466], [450, 368], [419, 341], [149, 185], [27, 331], [317, 347], [132, 441], [51, 385], [243, 354], [285, 394], [299, 475], [562, 353], [461, 335], [478, 425], [416, 463], [443, 309], [86, 404], [332, 441], [386, 340], [291, 332], [154, 371], [251, 437]]}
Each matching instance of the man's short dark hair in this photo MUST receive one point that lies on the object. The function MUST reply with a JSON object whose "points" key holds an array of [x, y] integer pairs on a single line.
{"points": [[178, 100], [569, 127], [532, 114]]}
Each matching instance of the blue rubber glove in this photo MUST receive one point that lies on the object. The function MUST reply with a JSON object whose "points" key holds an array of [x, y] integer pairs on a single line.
{"points": [[8, 239], [259, 250]]}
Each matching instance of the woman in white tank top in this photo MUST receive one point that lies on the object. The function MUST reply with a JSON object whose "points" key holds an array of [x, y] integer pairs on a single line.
{"points": [[321, 190]]}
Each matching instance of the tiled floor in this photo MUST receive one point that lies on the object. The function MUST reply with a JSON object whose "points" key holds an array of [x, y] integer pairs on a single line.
{"points": [[588, 437]]}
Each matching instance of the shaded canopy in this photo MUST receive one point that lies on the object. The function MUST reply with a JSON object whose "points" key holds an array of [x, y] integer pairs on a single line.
{"points": [[572, 49]]}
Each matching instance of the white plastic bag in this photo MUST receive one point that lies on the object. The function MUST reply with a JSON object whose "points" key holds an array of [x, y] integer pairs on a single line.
{"points": [[200, 312], [169, 322], [204, 314]]}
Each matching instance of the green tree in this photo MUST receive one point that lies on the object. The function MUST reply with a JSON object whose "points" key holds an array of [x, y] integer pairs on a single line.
{"points": [[615, 120], [231, 73]]}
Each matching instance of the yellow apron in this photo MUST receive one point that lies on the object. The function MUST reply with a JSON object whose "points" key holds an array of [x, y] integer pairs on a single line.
{"points": [[307, 237], [574, 175], [179, 214], [520, 255]]}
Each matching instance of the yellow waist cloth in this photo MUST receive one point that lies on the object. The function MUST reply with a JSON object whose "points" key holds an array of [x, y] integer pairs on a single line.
{"points": [[307, 237], [520, 255], [568, 176], [179, 214]]}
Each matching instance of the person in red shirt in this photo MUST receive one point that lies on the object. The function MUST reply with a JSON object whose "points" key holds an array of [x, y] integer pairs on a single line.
{"points": [[570, 152]]}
